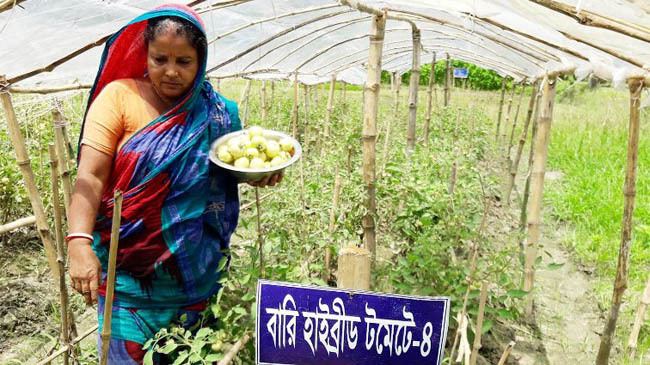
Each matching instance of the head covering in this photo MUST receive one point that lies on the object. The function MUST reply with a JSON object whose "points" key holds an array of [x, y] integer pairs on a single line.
{"points": [[178, 213]]}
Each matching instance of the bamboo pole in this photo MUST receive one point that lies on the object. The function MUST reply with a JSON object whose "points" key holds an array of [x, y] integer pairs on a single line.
{"points": [[294, 112], [514, 123], [28, 177], [514, 167], [345, 98], [65, 348], [369, 131], [506, 353], [263, 100], [354, 268], [260, 243], [64, 170], [427, 123], [245, 97], [307, 133], [234, 350], [58, 229], [537, 188], [110, 279], [218, 86], [638, 321], [414, 85], [533, 137], [447, 80], [22, 222], [504, 132], [503, 93], [335, 204], [49, 90], [479, 324], [454, 166], [629, 192], [398, 85], [330, 102]]}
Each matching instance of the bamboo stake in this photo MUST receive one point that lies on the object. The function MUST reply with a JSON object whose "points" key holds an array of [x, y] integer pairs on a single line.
{"points": [[537, 188], [218, 86], [533, 137], [638, 321], [432, 76], [447, 81], [506, 353], [328, 112], [306, 123], [244, 100], [22, 222], [65, 348], [345, 90], [507, 121], [398, 85], [260, 243], [263, 101], [514, 123], [335, 204], [369, 131], [28, 177], [503, 93], [234, 350], [514, 167], [413, 91], [64, 170], [49, 90], [454, 166], [629, 192], [110, 279], [294, 112], [354, 265], [58, 228], [479, 324]]}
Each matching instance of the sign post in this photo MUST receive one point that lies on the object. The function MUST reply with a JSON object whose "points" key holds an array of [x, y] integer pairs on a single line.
{"points": [[460, 73], [303, 324]]}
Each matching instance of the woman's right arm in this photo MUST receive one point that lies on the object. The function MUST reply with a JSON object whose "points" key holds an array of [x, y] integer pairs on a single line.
{"points": [[92, 176]]}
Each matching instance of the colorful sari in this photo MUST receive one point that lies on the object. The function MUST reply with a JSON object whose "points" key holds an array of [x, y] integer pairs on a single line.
{"points": [[178, 212]]}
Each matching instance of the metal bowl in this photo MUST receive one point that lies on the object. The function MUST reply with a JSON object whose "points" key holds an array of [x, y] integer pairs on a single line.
{"points": [[242, 175]]}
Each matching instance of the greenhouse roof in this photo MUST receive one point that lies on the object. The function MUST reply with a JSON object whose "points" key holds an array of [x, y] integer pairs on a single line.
{"points": [[59, 42]]}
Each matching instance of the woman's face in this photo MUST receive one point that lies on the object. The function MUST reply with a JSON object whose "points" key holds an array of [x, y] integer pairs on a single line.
{"points": [[172, 63]]}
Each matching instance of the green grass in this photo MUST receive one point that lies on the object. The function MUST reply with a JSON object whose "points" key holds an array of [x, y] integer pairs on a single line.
{"points": [[589, 146]]}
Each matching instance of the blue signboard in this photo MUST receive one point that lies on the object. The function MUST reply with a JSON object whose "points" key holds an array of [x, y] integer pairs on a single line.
{"points": [[460, 73], [302, 324]]}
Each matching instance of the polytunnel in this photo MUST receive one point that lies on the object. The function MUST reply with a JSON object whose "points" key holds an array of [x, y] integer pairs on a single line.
{"points": [[51, 46]]}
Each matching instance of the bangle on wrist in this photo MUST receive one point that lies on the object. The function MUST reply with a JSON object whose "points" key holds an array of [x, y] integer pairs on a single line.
{"points": [[72, 236]]}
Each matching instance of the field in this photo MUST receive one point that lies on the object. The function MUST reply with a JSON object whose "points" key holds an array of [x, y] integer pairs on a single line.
{"points": [[424, 233]]}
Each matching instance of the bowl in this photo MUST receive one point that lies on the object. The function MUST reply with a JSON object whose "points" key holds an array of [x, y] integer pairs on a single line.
{"points": [[242, 175]]}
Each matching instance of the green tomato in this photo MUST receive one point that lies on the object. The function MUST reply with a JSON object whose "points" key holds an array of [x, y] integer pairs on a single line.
{"points": [[256, 131], [217, 346], [242, 163], [286, 144], [225, 156], [259, 142], [252, 153], [256, 163], [272, 148], [277, 161], [263, 156]]}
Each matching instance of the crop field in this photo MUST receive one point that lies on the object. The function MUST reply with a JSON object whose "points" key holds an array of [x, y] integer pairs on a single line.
{"points": [[434, 207]]}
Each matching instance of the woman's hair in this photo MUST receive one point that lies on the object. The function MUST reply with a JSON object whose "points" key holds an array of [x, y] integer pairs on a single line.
{"points": [[195, 37]]}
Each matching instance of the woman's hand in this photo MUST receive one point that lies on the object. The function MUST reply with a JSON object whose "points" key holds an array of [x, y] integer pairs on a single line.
{"points": [[268, 181], [85, 269]]}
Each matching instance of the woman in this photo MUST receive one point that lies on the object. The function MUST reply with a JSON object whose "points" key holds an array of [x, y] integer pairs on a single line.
{"points": [[150, 120]]}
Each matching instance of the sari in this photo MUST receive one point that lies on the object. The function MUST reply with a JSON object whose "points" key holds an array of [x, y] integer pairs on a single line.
{"points": [[178, 211]]}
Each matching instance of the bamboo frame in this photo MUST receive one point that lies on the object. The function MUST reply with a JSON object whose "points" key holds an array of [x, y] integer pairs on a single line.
{"points": [[514, 122], [22, 222], [110, 279], [294, 109], [638, 321], [457, 152], [629, 193], [504, 132], [479, 324], [514, 167], [28, 177], [65, 348], [244, 100], [58, 228], [234, 350], [396, 82], [260, 242], [506, 353], [9, 4], [48, 90], [63, 159], [531, 157], [332, 227], [369, 131], [537, 188], [414, 84], [427, 123], [330, 102], [447, 81], [263, 101], [307, 134], [503, 93]]}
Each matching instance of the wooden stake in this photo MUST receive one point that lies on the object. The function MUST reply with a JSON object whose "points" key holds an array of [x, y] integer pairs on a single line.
{"points": [[537, 188], [263, 101], [110, 279], [58, 229], [454, 166], [514, 167], [506, 353], [218, 86], [335, 204], [244, 101], [64, 170], [234, 350], [354, 268], [427, 124], [503, 93], [22, 222], [294, 113], [479, 324], [260, 243], [507, 121], [533, 137], [345, 98], [330, 102], [638, 321], [447, 81], [305, 142], [414, 85], [28, 177], [369, 131], [514, 124], [629, 193], [65, 348]]}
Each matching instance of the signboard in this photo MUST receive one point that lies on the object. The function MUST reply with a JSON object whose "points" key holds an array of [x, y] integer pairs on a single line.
{"points": [[460, 73], [302, 324]]}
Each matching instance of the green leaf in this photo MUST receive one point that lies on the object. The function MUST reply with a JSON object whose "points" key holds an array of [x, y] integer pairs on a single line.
{"points": [[195, 358], [505, 314], [180, 359], [222, 263], [203, 332], [487, 325], [148, 358], [212, 358], [516, 293], [538, 260], [169, 347], [553, 266]]}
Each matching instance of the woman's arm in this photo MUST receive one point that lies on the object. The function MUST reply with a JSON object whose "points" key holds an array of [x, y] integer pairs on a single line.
{"points": [[92, 175]]}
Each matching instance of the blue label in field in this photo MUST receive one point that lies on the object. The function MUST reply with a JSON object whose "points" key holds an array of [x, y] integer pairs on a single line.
{"points": [[301, 324], [460, 73]]}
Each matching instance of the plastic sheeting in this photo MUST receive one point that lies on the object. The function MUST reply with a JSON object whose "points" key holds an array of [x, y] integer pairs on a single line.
{"points": [[314, 39]]}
